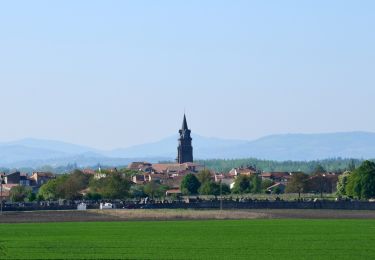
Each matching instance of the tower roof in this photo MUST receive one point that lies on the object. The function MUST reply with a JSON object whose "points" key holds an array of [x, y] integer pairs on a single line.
{"points": [[184, 124]]}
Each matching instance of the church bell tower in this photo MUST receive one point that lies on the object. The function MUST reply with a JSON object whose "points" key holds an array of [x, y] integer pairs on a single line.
{"points": [[185, 149]]}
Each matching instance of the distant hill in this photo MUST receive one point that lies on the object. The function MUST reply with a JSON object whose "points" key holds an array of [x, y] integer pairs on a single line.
{"points": [[309, 146], [274, 147], [35, 152], [203, 148]]}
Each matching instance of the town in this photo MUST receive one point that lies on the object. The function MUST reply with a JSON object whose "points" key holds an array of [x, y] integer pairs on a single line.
{"points": [[147, 182]]}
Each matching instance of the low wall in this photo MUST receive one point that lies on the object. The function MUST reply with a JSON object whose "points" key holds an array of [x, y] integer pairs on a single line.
{"points": [[343, 205]]}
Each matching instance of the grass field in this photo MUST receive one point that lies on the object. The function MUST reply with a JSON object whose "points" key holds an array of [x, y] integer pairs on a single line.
{"points": [[229, 239]]}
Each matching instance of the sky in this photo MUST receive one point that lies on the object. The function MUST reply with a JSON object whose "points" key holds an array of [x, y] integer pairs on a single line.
{"points": [[111, 74]]}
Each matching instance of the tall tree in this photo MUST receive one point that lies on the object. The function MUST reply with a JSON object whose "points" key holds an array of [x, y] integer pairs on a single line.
{"points": [[298, 183], [256, 184], [190, 184], [320, 183], [242, 185], [361, 183], [342, 183], [74, 184], [351, 166], [204, 176]]}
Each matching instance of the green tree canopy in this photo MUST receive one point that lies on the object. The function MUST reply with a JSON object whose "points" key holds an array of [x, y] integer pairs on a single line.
{"points": [[73, 185], [209, 188], [361, 183], [190, 184], [342, 183], [266, 184], [256, 184], [204, 176], [137, 191], [154, 189], [20, 193], [52, 190], [242, 184], [114, 186], [225, 189]]}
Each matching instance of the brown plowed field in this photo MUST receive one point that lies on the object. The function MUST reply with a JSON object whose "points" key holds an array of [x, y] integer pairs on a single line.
{"points": [[149, 214]]}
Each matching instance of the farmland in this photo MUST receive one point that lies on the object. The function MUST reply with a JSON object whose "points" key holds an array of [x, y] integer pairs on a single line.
{"points": [[200, 239]]}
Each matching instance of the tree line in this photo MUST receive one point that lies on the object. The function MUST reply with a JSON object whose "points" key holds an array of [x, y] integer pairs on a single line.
{"points": [[332, 165], [358, 182]]}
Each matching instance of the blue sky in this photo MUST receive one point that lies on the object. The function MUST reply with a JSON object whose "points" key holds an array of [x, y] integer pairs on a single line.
{"points": [[117, 73]]}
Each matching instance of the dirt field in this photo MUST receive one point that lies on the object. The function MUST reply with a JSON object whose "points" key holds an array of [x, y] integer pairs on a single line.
{"points": [[131, 215]]}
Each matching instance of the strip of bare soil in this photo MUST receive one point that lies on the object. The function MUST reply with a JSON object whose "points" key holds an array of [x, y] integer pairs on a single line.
{"points": [[150, 214]]}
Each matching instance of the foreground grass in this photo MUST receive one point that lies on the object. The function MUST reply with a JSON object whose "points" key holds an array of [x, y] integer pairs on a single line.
{"points": [[255, 239]]}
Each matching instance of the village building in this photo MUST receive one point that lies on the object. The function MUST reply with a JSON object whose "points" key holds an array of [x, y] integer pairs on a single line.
{"points": [[139, 179], [225, 179], [176, 168], [13, 178], [140, 166], [40, 178], [247, 171], [88, 172], [276, 177]]}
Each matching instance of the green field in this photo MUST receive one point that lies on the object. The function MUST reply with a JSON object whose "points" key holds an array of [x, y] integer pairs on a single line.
{"points": [[250, 239]]}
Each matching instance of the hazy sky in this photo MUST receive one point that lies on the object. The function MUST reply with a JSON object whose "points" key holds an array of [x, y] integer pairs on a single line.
{"points": [[117, 73]]}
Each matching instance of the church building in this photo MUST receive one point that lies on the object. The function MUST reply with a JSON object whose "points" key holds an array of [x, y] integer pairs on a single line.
{"points": [[185, 149]]}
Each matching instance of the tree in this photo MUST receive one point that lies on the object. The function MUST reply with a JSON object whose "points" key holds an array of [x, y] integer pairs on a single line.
{"points": [[51, 190], [342, 183], [361, 183], [73, 185], [154, 189], [31, 197], [210, 188], [256, 184], [320, 183], [351, 166], [204, 176], [93, 196], [266, 184], [190, 184], [19, 193], [242, 185], [225, 189], [137, 191], [114, 186], [278, 190], [67, 186], [298, 183], [319, 169]]}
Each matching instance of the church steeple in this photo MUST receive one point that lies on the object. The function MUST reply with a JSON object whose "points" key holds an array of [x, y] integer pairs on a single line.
{"points": [[184, 123], [185, 149]]}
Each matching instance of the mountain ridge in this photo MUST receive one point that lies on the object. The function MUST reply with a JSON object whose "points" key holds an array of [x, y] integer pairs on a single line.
{"points": [[280, 147]]}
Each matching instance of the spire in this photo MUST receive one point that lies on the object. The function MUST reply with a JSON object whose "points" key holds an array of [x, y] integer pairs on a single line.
{"points": [[184, 124]]}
